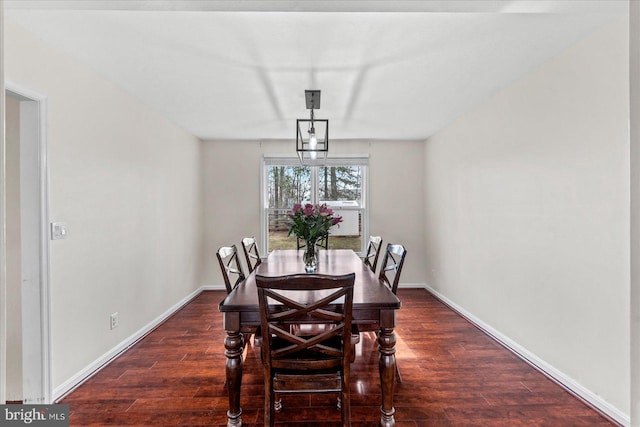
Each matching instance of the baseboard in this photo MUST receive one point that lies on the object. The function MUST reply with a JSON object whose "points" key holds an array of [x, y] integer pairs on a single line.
{"points": [[412, 286], [76, 380], [548, 370], [212, 288]]}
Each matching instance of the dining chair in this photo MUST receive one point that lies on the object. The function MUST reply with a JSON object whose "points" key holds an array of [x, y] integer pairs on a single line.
{"points": [[391, 266], [314, 363], [322, 242], [373, 251], [390, 271], [231, 268], [251, 254]]}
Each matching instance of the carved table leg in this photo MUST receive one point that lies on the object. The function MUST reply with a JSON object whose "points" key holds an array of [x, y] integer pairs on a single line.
{"points": [[233, 344], [387, 365]]}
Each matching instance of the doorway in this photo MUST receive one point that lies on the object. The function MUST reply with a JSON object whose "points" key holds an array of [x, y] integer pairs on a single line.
{"points": [[27, 219]]}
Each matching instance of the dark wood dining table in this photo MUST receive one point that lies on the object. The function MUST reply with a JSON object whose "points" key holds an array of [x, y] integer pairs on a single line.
{"points": [[373, 304]]}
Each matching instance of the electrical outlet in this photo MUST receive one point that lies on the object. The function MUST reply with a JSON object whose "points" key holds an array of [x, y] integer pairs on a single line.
{"points": [[114, 320]]}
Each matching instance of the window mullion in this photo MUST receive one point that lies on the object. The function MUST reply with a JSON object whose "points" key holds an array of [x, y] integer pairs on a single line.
{"points": [[314, 184]]}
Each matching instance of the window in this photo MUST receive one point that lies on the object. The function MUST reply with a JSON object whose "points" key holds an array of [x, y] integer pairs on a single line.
{"points": [[340, 183]]}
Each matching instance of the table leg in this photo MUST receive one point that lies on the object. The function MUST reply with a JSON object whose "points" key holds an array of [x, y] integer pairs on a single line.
{"points": [[387, 365], [234, 345]]}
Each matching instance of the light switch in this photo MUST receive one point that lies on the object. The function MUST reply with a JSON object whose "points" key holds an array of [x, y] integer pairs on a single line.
{"points": [[58, 230]]}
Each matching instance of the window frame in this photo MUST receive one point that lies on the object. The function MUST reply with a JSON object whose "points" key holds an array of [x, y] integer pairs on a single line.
{"points": [[353, 160]]}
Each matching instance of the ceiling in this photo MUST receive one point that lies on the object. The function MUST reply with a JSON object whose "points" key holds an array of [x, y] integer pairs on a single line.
{"points": [[390, 70]]}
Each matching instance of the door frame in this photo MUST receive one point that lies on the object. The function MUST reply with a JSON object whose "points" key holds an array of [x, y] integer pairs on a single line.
{"points": [[36, 296]]}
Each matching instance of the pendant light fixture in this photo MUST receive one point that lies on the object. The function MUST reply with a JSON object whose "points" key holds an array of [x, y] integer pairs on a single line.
{"points": [[312, 135]]}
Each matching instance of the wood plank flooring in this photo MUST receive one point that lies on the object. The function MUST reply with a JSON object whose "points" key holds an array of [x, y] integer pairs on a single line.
{"points": [[453, 375]]}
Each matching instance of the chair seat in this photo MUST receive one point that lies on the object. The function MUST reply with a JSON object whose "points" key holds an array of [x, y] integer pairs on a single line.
{"points": [[307, 359], [316, 328]]}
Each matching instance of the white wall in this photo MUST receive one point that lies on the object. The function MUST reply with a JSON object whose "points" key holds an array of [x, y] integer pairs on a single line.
{"points": [[14, 263], [231, 171], [527, 213], [127, 183]]}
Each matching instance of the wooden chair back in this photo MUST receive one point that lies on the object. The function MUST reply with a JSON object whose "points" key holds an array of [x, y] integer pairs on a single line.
{"points": [[373, 251], [391, 267], [315, 363], [251, 253], [230, 266]]}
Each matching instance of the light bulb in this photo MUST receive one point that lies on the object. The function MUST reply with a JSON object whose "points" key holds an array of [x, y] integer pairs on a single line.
{"points": [[313, 144]]}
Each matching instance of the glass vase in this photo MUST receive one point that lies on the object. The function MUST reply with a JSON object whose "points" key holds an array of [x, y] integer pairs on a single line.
{"points": [[310, 257]]}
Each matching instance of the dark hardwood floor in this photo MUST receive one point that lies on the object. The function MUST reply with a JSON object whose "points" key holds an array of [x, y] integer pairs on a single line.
{"points": [[453, 375]]}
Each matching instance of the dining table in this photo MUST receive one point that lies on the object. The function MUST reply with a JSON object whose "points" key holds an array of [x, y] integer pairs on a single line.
{"points": [[373, 304]]}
